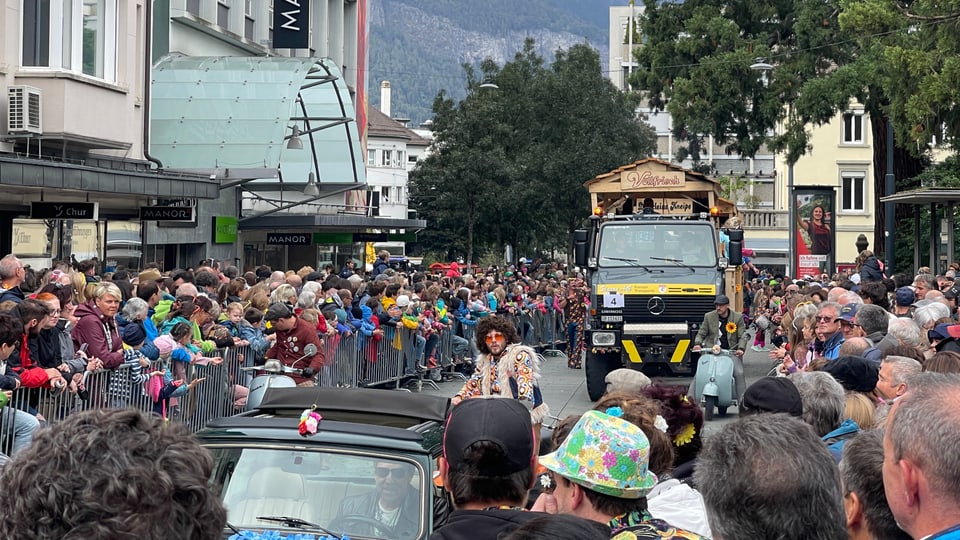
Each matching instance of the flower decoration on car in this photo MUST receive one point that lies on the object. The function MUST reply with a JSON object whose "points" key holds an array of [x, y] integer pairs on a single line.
{"points": [[309, 421]]}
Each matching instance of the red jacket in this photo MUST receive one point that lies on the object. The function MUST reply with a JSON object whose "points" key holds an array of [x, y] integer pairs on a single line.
{"points": [[29, 372], [290, 344]]}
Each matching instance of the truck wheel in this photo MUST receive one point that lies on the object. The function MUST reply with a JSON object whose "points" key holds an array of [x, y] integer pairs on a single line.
{"points": [[711, 403], [596, 370]]}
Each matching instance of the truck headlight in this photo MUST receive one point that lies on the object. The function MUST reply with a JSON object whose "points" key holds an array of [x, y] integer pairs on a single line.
{"points": [[604, 339]]}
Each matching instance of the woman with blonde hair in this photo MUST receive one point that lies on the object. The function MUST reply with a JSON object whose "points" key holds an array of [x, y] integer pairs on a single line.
{"points": [[97, 325], [79, 281], [284, 294], [860, 409]]}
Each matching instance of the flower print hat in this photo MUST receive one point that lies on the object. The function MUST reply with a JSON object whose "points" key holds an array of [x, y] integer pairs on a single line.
{"points": [[606, 454]]}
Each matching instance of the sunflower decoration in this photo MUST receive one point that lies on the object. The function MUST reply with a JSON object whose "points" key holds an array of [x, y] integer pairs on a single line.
{"points": [[685, 435], [731, 327]]}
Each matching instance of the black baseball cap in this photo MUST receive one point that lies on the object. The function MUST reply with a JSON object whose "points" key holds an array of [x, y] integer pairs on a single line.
{"points": [[279, 310], [504, 422]]}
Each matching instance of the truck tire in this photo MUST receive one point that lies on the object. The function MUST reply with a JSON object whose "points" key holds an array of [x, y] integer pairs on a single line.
{"points": [[596, 369], [711, 404]]}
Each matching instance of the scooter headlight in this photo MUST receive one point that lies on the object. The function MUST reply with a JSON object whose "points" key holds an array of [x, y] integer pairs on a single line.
{"points": [[273, 365]]}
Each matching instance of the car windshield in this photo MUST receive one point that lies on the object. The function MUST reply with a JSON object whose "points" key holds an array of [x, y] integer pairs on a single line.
{"points": [[661, 243], [360, 495]]}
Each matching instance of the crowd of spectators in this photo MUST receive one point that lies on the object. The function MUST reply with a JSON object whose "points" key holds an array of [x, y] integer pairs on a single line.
{"points": [[147, 329]]}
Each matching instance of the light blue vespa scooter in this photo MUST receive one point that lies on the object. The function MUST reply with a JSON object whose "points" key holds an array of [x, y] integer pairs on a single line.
{"points": [[714, 385]]}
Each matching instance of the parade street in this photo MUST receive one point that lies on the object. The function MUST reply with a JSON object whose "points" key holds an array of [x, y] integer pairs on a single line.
{"points": [[564, 389]]}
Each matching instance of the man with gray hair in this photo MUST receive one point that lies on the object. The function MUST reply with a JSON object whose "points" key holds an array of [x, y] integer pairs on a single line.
{"points": [[893, 376], [902, 331], [868, 514], [824, 404], [927, 315], [828, 325], [772, 461], [12, 274], [923, 283], [921, 465], [873, 321]]}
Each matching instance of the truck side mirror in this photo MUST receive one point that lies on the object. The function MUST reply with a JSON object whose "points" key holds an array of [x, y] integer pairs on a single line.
{"points": [[735, 254], [580, 247]]}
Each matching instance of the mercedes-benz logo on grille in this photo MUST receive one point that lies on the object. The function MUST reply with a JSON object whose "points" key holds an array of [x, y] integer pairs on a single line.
{"points": [[656, 305]]}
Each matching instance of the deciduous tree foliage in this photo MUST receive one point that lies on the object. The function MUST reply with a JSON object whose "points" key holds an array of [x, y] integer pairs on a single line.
{"points": [[510, 163], [899, 59]]}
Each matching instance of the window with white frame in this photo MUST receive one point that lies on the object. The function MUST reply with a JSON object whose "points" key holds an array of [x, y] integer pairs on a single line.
{"points": [[371, 157], [853, 127], [248, 19], [270, 22], [853, 191], [398, 159], [386, 158], [385, 193], [72, 35], [223, 14]]}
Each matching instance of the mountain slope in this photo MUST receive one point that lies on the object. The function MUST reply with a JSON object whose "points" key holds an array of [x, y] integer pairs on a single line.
{"points": [[420, 45]]}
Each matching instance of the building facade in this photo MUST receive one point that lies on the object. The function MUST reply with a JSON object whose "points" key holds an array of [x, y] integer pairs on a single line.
{"points": [[95, 112], [72, 93]]}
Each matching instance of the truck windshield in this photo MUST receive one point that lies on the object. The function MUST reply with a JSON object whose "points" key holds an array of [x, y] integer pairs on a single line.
{"points": [[658, 244]]}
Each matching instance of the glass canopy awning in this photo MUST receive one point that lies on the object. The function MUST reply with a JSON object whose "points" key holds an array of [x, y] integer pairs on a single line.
{"points": [[233, 117]]}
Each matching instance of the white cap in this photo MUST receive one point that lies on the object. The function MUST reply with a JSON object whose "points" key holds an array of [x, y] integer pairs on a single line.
{"points": [[403, 301]]}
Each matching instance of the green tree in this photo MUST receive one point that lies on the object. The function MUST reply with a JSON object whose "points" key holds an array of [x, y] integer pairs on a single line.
{"points": [[510, 162], [696, 63]]}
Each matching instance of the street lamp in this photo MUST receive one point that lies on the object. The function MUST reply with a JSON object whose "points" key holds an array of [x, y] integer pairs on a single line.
{"points": [[763, 67], [293, 140], [311, 189]]}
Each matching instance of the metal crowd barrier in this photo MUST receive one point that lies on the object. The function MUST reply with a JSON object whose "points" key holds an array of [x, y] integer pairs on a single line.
{"points": [[350, 361]]}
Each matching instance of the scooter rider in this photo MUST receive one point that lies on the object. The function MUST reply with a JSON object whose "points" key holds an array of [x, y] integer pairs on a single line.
{"points": [[726, 327], [293, 335]]}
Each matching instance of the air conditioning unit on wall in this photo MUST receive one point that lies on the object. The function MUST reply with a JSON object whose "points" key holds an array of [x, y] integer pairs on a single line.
{"points": [[24, 108]]}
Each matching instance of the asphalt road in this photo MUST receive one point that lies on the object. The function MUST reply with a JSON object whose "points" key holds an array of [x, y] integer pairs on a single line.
{"points": [[564, 389]]}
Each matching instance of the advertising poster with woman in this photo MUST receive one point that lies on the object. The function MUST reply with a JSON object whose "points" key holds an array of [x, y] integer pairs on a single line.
{"points": [[815, 231]]}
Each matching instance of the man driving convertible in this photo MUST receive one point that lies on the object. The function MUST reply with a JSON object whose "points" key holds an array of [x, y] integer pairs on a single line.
{"points": [[393, 503]]}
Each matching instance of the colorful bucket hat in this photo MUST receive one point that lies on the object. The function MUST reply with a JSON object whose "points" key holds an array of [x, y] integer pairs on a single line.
{"points": [[606, 454]]}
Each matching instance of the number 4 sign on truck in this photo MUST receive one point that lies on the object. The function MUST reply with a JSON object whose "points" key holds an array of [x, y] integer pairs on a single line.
{"points": [[613, 299]]}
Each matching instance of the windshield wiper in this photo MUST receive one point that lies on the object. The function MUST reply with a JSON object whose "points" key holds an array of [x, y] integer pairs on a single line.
{"points": [[297, 523], [631, 262], [678, 262]]}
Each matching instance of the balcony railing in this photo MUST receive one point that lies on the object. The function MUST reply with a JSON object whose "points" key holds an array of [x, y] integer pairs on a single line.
{"points": [[764, 219]]}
